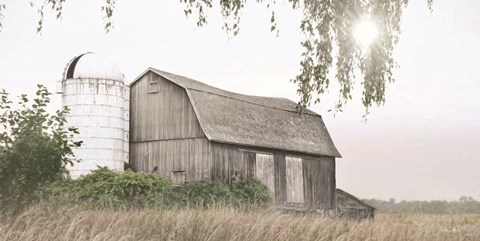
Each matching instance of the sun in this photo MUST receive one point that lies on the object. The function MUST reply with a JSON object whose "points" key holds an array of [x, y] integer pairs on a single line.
{"points": [[365, 32]]}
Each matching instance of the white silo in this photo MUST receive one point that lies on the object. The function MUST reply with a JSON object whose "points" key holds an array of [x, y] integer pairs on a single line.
{"points": [[94, 90]]}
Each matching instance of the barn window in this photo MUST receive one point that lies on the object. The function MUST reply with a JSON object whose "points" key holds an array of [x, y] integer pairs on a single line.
{"points": [[265, 171], [178, 178], [153, 85], [294, 171]]}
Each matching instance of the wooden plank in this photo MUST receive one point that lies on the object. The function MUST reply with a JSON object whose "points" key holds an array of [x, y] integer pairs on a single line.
{"points": [[220, 164], [333, 184], [325, 182], [280, 179], [235, 167], [294, 180], [249, 158], [316, 184], [208, 164], [307, 183], [132, 157], [265, 171]]}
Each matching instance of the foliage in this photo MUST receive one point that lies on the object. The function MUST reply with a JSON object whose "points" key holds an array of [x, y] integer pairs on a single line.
{"points": [[35, 146], [104, 188], [329, 42], [2, 7], [253, 192], [461, 206], [328, 28], [206, 194]]}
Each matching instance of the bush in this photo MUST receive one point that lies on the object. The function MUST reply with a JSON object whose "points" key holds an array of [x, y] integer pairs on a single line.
{"points": [[35, 146], [205, 194], [107, 189], [252, 192]]}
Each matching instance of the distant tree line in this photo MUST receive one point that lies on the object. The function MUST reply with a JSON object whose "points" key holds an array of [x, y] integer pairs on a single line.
{"points": [[461, 206]]}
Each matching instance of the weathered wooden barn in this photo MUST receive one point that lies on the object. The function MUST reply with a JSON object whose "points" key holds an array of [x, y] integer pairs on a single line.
{"points": [[188, 131]]}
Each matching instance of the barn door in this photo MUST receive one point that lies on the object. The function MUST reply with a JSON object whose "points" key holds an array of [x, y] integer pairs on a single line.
{"points": [[265, 171], [294, 171]]}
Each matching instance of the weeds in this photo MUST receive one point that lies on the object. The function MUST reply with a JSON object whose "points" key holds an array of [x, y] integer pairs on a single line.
{"points": [[46, 222]]}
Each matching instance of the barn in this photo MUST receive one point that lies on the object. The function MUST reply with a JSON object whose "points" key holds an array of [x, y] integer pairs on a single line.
{"points": [[188, 131]]}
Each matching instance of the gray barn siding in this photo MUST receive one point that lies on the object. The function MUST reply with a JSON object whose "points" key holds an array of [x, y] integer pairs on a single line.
{"points": [[165, 132], [265, 171], [226, 159], [318, 172], [352, 207], [190, 155], [162, 115], [280, 179], [319, 182]]}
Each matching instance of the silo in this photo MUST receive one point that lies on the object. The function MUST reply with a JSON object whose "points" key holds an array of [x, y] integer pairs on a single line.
{"points": [[94, 90]]}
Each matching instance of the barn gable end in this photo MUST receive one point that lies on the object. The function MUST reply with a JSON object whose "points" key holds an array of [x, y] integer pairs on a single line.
{"points": [[157, 100], [166, 137]]}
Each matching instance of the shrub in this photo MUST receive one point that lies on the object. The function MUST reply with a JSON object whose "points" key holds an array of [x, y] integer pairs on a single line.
{"points": [[206, 194], [252, 192], [107, 189], [35, 146], [249, 193], [104, 188]]}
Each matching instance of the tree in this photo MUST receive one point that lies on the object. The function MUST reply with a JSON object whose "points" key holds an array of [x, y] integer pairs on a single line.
{"points": [[328, 27], [35, 146]]}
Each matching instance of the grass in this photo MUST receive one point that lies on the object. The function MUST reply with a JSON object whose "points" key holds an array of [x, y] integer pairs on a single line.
{"points": [[42, 223]]}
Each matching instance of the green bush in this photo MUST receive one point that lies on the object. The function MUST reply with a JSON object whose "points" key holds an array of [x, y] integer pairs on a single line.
{"points": [[205, 194], [35, 147], [107, 189], [252, 192]]}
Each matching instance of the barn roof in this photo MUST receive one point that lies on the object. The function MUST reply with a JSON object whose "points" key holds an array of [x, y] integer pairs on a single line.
{"points": [[268, 122], [346, 194]]}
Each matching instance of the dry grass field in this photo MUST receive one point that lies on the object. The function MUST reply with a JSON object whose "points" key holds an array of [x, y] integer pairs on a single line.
{"points": [[43, 223]]}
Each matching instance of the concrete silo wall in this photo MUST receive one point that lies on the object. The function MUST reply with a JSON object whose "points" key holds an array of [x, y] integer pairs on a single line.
{"points": [[99, 109]]}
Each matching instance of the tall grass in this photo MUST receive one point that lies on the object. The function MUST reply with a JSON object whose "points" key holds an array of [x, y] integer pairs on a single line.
{"points": [[44, 222]]}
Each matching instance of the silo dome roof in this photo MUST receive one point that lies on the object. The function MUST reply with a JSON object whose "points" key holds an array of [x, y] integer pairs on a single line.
{"points": [[92, 66]]}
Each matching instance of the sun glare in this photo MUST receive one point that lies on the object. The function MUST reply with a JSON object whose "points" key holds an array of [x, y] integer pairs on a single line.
{"points": [[366, 32]]}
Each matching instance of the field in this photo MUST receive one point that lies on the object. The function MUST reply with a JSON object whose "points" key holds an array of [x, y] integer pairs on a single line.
{"points": [[42, 223]]}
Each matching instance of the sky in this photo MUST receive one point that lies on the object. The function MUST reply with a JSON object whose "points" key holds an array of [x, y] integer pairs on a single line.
{"points": [[423, 144]]}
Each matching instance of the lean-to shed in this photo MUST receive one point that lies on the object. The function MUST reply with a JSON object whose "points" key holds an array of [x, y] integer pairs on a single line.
{"points": [[188, 131], [352, 207]]}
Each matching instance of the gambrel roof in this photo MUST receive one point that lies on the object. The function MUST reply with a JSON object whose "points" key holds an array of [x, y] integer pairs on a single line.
{"points": [[256, 121]]}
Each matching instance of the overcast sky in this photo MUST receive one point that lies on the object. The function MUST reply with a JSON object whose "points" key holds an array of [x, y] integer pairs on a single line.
{"points": [[423, 144]]}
